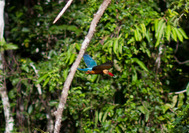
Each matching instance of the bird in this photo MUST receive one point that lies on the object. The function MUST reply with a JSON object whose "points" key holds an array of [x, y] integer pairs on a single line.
{"points": [[93, 68]]}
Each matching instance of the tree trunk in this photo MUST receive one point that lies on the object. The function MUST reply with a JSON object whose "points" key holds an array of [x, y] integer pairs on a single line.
{"points": [[3, 90]]}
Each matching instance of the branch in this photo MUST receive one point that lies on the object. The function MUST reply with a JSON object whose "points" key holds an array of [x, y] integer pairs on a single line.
{"points": [[3, 90], [187, 61], [36, 72], [178, 92], [63, 10], [73, 69]]}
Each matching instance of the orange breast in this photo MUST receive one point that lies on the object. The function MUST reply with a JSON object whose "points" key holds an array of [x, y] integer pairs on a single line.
{"points": [[94, 72]]}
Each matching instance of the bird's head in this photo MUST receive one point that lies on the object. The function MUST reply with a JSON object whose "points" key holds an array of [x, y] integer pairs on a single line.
{"points": [[105, 71]]}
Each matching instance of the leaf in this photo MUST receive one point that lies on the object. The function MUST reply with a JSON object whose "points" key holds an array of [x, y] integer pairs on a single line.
{"points": [[105, 116], [181, 100], [183, 33], [24, 29], [168, 32], [87, 108], [65, 73], [131, 40], [174, 101], [180, 37], [109, 46], [121, 45], [148, 36], [100, 116], [142, 109], [187, 89], [30, 109], [115, 47], [158, 27], [46, 81], [140, 63], [160, 33], [10, 46], [42, 78], [96, 118], [134, 76], [156, 24], [166, 107], [157, 42], [174, 35], [143, 29], [137, 34], [93, 77], [72, 58]]}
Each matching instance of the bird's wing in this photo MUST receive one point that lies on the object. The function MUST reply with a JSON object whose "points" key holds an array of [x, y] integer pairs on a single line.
{"points": [[107, 65], [89, 61], [85, 69]]}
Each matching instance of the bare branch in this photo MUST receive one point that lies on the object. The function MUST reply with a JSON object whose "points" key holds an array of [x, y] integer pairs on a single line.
{"points": [[184, 62], [38, 85], [178, 92], [62, 11], [73, 69]]}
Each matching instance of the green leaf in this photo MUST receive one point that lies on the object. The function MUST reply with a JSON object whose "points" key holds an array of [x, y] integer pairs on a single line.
{"points": [[100, 116], [115, 47], [46, 81], [168, 32], [65, 73], [181, 100], [131, 40], [158, 27], [110, 46], [72, 58], [121, 45], [187, 89], [134, 76], [24, 29], [160, 33], [142, 109], [93, 78], [174, 35], [143, 29], [166, 107], [156, 24], [137, 34], [174, 101], [87, 108], [148, 36], [140, 63], [42, 78], [96, 118], [180, 37], [157, 42], [30, 109], [183, 33], [105, 116], [10, 46]]}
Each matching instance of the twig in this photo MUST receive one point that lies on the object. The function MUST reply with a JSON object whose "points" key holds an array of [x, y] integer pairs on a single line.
{"points": [[184, 62], [38, 85], [73, 69], [62, 11], [178, 92], [158, 60]]}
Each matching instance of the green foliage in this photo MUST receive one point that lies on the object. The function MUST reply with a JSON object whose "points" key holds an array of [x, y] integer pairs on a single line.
{"points": [[139, 37]]}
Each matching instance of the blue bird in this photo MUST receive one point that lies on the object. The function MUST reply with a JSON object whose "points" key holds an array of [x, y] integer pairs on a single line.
{"points": [[93, 68]]}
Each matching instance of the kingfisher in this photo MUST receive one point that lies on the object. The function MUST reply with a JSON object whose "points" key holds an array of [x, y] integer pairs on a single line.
{"points": [[93, 68]]}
